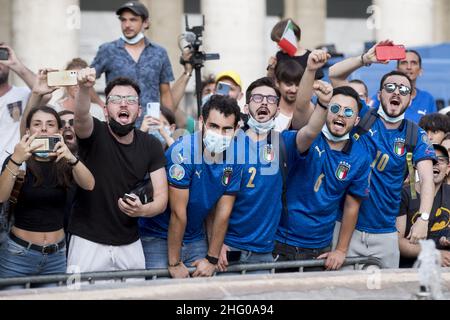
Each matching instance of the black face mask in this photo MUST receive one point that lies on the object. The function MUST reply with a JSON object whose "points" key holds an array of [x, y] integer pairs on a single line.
{"points": [[120, 129]]}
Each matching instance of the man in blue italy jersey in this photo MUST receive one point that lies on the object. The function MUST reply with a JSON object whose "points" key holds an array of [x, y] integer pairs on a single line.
{"points": [[257, 210], [202, 175], [332, 170], [386, 142]]}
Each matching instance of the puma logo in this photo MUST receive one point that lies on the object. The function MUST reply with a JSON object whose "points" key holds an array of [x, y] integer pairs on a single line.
{"points": [[319, 151], [198, 173], [422, 112], [372, 133]]}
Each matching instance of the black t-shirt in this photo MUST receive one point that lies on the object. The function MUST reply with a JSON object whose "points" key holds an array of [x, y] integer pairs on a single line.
{"points": [[438, 225], [116, 168], [303, 60], [40, 208]]}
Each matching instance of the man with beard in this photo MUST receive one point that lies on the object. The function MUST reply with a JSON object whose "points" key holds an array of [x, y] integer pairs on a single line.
{"points": [[203, 175], [333, 170], [422, 102], [375, 233], [67, 119], [256, 213], [103, 223], [135, 57], [12, 101]]}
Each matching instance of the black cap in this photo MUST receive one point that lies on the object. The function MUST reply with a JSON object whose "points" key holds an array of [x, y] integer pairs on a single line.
{"points": [[441, 149], [135, 6]]}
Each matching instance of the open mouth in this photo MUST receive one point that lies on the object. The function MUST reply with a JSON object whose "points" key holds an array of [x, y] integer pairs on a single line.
{"points": [[339, 123], [124, 116], [395, 101], [68, 136], [262, 111], [436, 171]]}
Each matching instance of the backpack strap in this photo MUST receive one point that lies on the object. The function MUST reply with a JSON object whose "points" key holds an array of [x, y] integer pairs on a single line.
{"points": [[410, 145], [366, 123]]}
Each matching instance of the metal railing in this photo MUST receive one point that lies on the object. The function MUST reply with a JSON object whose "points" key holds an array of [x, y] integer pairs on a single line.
{"points": [[358, 263]]}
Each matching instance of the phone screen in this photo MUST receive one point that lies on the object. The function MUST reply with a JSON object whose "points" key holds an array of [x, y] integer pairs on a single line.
{"points": [[223, 88], [153, 109]]}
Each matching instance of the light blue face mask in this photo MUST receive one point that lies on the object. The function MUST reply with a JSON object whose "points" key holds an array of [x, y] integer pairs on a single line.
{"points": [[133, 40], [216, 143], [332, 137], [158, 135], [42, 154], [259, 127], [388, 118]]}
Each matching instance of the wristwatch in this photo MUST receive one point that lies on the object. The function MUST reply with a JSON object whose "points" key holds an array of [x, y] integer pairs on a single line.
{"points": [[424, 216]]}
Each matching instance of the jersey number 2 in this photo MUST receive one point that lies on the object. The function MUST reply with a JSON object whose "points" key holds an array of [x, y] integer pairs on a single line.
{"points": [[250, 184]]}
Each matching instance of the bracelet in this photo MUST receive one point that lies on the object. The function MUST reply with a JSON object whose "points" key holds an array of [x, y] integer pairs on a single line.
{"points": [[15, 162], [362, 60], [322, 105], [74, 163], [212, 260], [175, 264], [12, 173]]}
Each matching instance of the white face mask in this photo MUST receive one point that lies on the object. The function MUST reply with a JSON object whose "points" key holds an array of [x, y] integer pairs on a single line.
{"points": [[259, 127], [216, 143], [332, 137], [133, 40], [388, 118]]}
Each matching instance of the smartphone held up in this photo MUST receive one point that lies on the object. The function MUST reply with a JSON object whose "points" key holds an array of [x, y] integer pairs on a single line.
{"points": [[394, 52], [62, 78]]}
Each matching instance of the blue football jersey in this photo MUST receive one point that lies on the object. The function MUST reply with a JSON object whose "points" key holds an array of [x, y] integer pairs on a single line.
{"points": [[257, 209], [422, 104], [388, 162], [207, 182], [317, 183]]}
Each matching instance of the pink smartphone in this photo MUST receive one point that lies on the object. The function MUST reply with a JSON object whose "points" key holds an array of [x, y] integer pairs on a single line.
{"points": [[385, 53]]}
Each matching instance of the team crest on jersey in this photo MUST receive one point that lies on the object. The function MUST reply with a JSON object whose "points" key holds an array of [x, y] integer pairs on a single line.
{"points": [[342, 170], [177, 172], [399, 147], [226, 176], [268, 153]]}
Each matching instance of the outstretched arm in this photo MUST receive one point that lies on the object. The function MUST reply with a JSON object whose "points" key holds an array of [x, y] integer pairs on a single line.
{"points": [[342, 70], [84, 123], [18, 67], [179, 87]]}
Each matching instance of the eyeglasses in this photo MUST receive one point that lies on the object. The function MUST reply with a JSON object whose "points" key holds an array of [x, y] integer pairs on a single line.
{"points": [[70, 122], [402, 89], [258, 98], [335, 108], [130, 100], [442, 159]]}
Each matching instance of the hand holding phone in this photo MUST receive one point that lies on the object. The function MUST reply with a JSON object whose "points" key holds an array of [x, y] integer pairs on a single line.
{"points": [[4, 54], [394, 52], [129, 197], [47, 144], [153, 109]]}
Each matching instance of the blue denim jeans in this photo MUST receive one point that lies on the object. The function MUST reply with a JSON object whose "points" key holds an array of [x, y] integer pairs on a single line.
{"points": [[19, 261], [249, 257], [155, 252]]}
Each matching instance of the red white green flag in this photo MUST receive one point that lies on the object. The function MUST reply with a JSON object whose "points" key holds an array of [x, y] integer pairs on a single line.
{"points": [[288, 41]]}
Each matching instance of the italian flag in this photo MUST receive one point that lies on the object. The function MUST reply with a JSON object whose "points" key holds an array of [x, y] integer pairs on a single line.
{"points": [[288, 40]]}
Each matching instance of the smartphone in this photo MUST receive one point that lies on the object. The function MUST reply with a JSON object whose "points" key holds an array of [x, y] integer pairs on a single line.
{"points": [[223, 88], [384, 53], [62, 78], [233, 256], [4, 54], [130, 197], [153, 109], [47, 143]]}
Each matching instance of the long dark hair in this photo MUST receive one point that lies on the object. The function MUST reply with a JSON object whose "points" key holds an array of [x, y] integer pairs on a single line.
{"points": [[61, 172]]}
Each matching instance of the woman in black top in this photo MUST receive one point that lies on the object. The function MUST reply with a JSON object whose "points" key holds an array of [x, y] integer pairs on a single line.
{"points": [[36, 244]]}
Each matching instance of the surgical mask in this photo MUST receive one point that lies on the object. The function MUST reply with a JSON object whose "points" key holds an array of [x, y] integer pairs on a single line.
{"points": [[120, 129], [388, 118], [158, 135], [43, 155], [259, 127], [133, 40], [216, 143], [332, 137]]}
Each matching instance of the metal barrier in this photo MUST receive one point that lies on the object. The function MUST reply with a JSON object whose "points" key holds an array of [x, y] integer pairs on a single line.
{"points": [[358, 263]]}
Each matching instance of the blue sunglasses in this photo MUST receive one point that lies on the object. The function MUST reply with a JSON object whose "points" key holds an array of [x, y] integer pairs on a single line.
{"points": [[336, 108]]}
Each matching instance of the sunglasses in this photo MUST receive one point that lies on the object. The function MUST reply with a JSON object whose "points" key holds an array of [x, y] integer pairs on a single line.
{"points": [[258, 98], [402, 89], [130, 100], [70, 122], [335, 108]]}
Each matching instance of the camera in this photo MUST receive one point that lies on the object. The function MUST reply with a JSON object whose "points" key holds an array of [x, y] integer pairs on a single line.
{"points": [[47, 144], [4, 54]]}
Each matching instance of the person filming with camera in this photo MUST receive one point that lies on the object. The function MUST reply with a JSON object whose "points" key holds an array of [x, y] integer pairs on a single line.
{"points": [[36, 244]]}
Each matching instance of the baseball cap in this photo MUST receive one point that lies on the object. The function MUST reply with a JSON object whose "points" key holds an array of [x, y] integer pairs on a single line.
{"points": [[135, 6], [230, 74]]}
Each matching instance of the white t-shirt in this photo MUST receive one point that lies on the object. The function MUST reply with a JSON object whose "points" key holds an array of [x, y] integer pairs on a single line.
{"points": [[282, 122], [12, 105]]}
